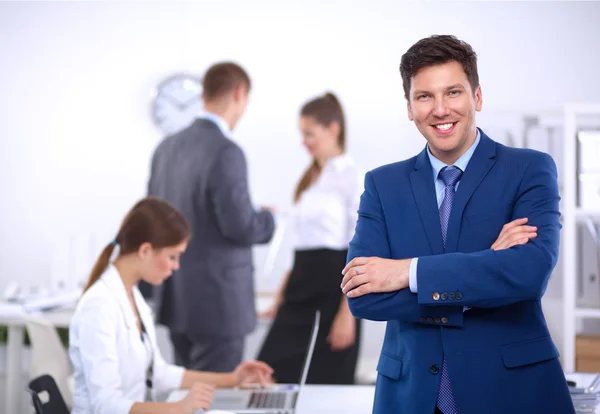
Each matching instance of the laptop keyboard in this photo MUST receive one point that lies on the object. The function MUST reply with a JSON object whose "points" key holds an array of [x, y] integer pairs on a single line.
{"points": [[260, 399]]}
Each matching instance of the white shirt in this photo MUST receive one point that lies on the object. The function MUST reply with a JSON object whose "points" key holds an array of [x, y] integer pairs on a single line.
{"points": [[109, 358], [326, 213]]}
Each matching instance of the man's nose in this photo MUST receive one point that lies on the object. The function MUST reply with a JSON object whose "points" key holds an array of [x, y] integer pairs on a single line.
{"points": [[441, 108]]}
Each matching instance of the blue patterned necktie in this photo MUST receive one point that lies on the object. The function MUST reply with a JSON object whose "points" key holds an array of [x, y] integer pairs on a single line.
{"points": [[450, 176]]}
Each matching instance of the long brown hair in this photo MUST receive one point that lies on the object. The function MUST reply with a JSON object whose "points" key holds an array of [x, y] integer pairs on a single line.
{"points": [[152, 221], [325, 110]]}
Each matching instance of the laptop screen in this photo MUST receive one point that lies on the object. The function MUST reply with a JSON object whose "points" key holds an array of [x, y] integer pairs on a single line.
{"points": [[311, 348]]}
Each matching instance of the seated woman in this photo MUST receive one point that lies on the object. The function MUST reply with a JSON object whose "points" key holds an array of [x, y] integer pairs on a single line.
{"points": [[118, 365]]}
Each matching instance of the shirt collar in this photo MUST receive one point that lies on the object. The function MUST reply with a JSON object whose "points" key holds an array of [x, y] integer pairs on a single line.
{"points": [[115, 284], [339, 162], [462, 162], [217, 120]]}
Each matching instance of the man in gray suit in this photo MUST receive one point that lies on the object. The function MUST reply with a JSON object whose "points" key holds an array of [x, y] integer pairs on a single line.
{"points": [[208, 304]]}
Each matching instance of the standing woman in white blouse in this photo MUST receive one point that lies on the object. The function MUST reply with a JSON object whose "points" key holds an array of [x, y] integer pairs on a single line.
{"points": [[118, 366], [324, 217]]}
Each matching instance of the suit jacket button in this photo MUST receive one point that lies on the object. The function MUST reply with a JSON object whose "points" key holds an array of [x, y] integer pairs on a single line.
{"points": [[422, 319], [444, 320], [443, 296], [437, 320], [458, 296], [436, 296], [434, 369], [430, 319], [450, 296]]}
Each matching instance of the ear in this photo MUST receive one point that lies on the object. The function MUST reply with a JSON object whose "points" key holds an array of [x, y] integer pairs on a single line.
{"points": [[334, 129], [478, 99], [240, 92], [409, 110], [145, 250]]}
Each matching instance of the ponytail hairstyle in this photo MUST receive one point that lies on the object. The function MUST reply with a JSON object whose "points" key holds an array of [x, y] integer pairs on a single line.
{"points": [[152, 221], [325, 110]]}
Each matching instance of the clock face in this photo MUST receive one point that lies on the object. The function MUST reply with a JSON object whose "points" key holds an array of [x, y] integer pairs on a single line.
{"points": [[177, 103]]}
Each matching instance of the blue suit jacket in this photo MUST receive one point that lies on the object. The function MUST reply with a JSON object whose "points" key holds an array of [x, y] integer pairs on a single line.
{"points": [[500, 356]]}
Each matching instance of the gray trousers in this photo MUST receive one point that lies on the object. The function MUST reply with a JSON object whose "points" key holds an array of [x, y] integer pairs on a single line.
{"points": [[215, 355]]}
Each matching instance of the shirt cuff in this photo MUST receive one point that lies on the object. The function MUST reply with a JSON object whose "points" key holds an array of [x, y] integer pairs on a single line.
{"points": [[275, 219], [171, 377], [412, 275]]}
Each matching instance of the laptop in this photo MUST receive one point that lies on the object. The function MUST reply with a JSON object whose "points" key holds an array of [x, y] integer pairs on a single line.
{"points": [[277, 399]]}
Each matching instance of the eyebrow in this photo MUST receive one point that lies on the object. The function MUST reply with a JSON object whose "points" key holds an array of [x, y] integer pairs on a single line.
{"points": [[449, 88]]}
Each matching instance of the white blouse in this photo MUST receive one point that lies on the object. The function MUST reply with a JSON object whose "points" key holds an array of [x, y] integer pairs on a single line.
{"points": [[109, 358], [326, 213]]}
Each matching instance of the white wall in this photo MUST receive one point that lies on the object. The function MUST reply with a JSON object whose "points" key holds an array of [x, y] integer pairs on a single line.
{"points": [[77, 77]]}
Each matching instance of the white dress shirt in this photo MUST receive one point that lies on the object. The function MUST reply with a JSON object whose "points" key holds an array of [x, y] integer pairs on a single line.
{"points": [[326, 213], [436, 167], [109, 358]]}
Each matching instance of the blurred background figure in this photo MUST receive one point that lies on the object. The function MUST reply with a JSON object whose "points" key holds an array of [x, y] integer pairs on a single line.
{"points": [[323, 220], [209, 306], [118, 366]]}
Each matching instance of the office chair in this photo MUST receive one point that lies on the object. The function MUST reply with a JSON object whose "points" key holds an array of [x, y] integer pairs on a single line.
{"points": [[49, 355], [55, 403]]}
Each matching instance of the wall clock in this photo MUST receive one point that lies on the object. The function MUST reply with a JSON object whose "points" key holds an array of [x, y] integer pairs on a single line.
{"points": [[177, 102]]}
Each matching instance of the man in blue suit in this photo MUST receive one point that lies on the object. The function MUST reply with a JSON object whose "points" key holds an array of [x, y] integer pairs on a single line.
{"points": [[454, 248]]}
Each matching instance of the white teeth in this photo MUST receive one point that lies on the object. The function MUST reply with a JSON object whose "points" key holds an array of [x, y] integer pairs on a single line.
{"points": [[444, 127]]}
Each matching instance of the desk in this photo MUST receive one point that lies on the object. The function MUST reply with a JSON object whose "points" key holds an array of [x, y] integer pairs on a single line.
{"points": [[325, 399], [358, 399], [14, 319], [12, 315]]}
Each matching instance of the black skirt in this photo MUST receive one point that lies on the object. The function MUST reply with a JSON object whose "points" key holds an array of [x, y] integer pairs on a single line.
{"points": [[314, 283]]}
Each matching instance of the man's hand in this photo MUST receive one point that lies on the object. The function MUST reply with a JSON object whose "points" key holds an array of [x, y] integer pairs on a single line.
{"points": [[373, 274], [514, 233], [252, 372], [272, 209]]}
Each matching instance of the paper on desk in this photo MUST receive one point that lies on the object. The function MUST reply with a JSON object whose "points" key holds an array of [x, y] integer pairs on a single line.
{"points": [[583, 379], [11, 310], [64, 299]]}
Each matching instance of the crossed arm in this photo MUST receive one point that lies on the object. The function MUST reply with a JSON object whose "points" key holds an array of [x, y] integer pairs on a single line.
{"points": [[515, 268], [363, 275]]}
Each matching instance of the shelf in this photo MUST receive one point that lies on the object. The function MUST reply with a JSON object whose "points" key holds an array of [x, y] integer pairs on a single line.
{"points": [[583, 109], [583, 213], [590, 313], [574, 114]]}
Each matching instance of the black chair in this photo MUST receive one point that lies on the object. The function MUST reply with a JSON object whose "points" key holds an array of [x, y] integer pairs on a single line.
{"points": [[55, 404]]}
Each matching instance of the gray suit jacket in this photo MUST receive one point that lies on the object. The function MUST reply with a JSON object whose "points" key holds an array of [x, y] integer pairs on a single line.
{"points": [[203, 174]]}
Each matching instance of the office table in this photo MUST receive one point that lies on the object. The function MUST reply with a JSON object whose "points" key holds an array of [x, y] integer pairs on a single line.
{"points": [[358, 399], [13, 318], [12, 315], [325, 399]]}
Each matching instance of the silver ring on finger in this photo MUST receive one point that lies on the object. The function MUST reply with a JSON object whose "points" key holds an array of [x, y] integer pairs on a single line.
{"points": [[356, 270]]}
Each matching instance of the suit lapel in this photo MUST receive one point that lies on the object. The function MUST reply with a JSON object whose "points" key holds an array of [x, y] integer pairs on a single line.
{"points": [[480, 164], [423, 188]]}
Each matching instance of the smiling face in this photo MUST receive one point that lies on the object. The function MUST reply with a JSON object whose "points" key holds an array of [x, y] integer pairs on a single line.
{"points": [[321, 142], [442, 105]]}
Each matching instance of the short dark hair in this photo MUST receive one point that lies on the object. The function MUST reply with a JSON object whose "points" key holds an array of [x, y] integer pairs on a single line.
{"points": [[437, 50], [222, 78]]}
